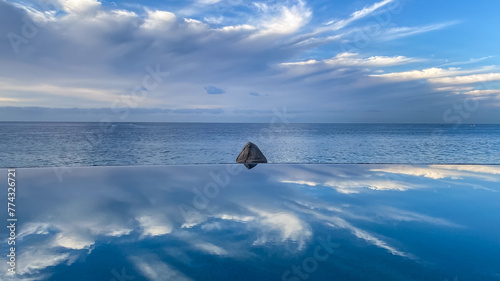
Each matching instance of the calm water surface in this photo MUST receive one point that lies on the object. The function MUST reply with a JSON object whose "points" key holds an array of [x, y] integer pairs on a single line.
{"points": [[274, 222], [91, 144]]}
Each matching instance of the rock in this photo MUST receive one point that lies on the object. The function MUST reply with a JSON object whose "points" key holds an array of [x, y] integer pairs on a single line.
{"points": [[250, 165], [250, 156]]}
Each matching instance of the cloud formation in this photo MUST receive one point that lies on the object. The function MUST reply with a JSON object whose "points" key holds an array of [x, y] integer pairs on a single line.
{"points": [[90, 54]]}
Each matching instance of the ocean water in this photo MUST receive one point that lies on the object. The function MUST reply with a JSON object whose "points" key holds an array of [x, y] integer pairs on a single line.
{"points": [[24, 144]]}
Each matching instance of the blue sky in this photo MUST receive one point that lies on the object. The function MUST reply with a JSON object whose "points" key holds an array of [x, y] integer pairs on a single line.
{"points": [[242, 61]]}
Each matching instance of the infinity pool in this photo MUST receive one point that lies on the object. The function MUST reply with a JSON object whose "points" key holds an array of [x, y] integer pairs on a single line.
{"points": [[274, 222]]}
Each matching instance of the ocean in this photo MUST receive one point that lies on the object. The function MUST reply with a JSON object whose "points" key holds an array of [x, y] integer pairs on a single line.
{"points": [[149, 217], [41, 144]]}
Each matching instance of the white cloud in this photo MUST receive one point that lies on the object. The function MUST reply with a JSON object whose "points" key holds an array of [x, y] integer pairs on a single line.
{"points": [[211, 248], [236, 28], [237, 218], [75, 241], [10, 100], [154, 225], [208, 2], [366, 11], [39, 16], [453, 80], [262, 7], [469, 79], [455, 172], [211, 226], [159, 20], [335, 221], [470, 61], [80, 6], [124, 13], [287, 226], [483, 92], [214, 20], [454, 89], [35, 260], [301, 182], [361, 234], [424, 74], [353, 59], [492, 170], [288, 20], [376, 32], [432, 173], [153, 268], [34, 228], [400, 32], [408, 216], [86, 93], [355, 186], [193, 219]]}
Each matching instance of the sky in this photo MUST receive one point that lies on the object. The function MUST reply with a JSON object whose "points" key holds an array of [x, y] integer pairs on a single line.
{"points": [[388, 61]]}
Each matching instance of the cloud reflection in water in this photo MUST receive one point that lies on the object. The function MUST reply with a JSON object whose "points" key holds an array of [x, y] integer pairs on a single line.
{"points": [[261, 223]]}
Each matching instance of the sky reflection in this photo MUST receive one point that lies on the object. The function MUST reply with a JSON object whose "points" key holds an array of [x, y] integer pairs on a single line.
{"points": [[223, 222]]}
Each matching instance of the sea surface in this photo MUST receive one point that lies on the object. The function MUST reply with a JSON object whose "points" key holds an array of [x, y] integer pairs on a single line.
{"points": [[25, 144]]}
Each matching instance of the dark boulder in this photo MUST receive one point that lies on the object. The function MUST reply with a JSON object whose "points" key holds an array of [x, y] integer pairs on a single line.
{"points": [[251, 155]]}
